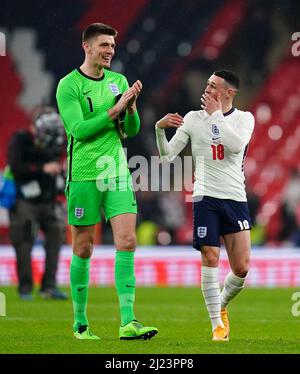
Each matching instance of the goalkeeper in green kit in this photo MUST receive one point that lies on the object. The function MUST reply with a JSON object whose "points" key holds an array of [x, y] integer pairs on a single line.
{"points": [[98, 108]]}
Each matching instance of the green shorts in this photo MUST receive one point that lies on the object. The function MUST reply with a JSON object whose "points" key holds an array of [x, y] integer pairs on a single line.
{"points": [[85, 200]]}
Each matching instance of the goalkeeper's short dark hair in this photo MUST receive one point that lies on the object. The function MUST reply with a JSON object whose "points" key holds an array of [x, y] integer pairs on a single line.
{"points": [[229, 76], [96, 29]]}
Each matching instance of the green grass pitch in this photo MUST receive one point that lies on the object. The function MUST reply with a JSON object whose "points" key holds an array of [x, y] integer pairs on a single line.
{"points": [[261, 322]]}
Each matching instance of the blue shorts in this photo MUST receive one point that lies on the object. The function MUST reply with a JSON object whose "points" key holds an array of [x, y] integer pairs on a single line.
{"points": [[217, 217]]}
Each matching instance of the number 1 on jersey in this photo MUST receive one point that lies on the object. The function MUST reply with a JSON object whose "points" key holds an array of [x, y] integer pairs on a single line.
{"points": [[90, 103], [218, 152]]}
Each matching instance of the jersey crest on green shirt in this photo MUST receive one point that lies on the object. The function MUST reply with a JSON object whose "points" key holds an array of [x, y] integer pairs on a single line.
{"points": [[114, 89]]}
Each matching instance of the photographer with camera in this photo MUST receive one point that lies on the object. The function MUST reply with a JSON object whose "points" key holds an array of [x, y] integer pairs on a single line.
{"points": [[34, 157]]}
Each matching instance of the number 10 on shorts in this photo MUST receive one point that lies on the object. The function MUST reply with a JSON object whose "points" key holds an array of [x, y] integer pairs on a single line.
{"points": [[244, 225]]}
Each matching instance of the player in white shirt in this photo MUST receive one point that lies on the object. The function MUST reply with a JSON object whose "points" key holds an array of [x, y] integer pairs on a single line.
{"points": [[219, 135]]}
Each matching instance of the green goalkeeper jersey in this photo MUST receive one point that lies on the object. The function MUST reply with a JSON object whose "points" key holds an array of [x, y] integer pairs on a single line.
{"points": [[94, 147]]}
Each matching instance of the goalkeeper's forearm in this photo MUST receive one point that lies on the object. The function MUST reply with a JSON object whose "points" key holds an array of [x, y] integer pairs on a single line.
{"points": [[132, 123], [84, 129]]}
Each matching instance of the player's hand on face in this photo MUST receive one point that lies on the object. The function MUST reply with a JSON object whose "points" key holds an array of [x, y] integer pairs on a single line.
{"points": [[210, 104], [170, 120]]}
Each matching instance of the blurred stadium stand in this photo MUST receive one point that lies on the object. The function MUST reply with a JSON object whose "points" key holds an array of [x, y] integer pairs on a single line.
{"points": [[275, 149], [172, 46], [113, 14], [164, 266], [212, 40]]}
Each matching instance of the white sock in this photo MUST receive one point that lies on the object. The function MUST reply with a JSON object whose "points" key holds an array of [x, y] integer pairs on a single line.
{"points": [[212, 294], [233, 285]]}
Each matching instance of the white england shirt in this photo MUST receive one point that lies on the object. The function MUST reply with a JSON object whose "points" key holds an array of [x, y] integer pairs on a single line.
{"points": [[219, 145]]}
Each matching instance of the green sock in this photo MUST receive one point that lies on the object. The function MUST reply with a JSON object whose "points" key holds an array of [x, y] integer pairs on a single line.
{"points": [[125, 284], [79, 276]]}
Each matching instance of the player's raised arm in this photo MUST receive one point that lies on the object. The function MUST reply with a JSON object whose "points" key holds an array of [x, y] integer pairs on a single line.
{"points": [[136, 88], [132, 119], [234, 140], [71, 111], [169, 150]]}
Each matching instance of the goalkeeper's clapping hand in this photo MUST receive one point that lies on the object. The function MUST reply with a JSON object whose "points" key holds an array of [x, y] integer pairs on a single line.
{"points": [[136, 88], [126, 101]]}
